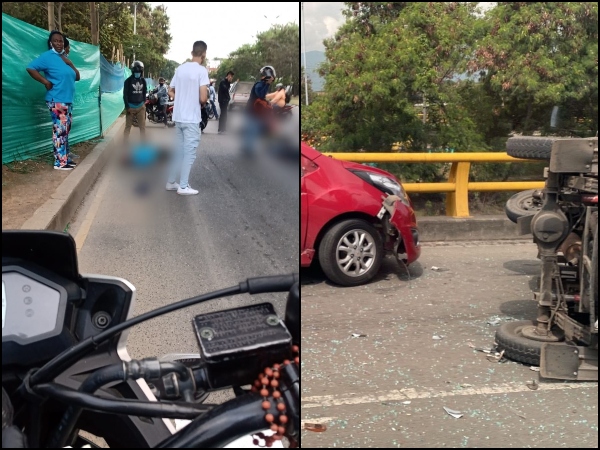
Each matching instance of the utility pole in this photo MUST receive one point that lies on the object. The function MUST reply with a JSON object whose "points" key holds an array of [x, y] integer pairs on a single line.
{"points": [[304, 50]]}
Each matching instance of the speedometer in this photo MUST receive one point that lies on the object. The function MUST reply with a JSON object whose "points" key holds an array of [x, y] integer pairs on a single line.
{"points": [[36, 309]]}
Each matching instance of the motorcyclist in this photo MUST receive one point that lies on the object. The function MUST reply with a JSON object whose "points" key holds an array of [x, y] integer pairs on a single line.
{"points": [[258, 109], [134, 97], [257, 104], [163, 98], [277, 98]]}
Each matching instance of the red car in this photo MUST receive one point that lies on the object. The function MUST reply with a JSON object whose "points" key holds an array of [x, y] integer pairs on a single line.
{"points": [[351, 215]]}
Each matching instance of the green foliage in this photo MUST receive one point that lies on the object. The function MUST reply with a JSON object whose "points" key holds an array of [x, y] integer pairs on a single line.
{"points": [[540, 54], [278, 47], [168, 69], [151, 42], [477, 77]]}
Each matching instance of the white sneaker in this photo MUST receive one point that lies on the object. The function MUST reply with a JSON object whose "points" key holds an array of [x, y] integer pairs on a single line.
{"points": [[172, 186], [187, 191]]}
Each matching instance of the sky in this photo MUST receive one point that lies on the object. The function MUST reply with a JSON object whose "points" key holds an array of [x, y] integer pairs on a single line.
{"points": [[223, 26], [322, 19]]}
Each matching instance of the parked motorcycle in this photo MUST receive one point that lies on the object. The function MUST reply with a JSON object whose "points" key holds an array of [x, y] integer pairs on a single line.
{"points": [[66, 369], [152, 111], [563, 339]]}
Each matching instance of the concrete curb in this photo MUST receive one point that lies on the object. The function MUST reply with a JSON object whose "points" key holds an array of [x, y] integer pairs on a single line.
{"points": [[58, 211], [481, 228]]}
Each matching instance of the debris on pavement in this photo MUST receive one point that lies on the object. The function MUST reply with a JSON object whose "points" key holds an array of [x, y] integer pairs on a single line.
{"points": [[356, 335], [407, 402], [316, 427], [497, 320], [492, 353], [435, 268], [437, 338], [481, 349], [533, 385], [522, 416], [453, 413], [496, 357], [494, 322], [535, 369]]}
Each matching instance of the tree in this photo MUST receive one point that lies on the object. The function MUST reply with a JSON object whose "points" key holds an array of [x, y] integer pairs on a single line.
{"points": [[243, 62], [376, 73], [540, 54], [278, 47], [115, 25]]}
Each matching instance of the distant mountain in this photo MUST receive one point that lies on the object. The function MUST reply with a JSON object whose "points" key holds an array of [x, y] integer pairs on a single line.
{"points": [[313, 59]]}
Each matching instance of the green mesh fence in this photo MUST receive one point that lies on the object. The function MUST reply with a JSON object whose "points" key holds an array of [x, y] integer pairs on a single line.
{"points": [[26, 123]]}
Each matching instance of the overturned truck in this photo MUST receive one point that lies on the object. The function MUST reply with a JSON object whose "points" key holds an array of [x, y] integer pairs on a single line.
{"points": [[563, 338]]}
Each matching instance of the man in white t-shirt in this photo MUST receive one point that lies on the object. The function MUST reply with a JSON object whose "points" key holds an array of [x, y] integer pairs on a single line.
{"points": [[189, 88]]}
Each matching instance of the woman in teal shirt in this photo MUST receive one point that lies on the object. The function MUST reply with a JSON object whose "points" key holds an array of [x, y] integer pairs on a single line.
{"points": [[60, 76]]}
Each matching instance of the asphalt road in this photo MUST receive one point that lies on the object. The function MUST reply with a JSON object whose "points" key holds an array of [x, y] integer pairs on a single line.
{"points": [[389, 388], [243, 223]]}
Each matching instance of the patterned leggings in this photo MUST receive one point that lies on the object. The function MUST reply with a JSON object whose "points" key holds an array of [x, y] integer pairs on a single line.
{"points": [[61, 126]]}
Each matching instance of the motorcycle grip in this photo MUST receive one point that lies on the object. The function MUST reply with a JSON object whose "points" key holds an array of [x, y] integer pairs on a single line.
{"points": [[275, 283]]}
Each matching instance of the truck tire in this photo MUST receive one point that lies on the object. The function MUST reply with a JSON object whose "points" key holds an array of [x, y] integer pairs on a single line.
{"points": [[516, 346], [522, 204], [530, 147]]}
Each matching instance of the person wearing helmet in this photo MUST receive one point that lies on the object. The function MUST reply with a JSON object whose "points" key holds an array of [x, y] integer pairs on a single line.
{"points": [[277, 98], [163, 98], [258, 110], [134, 97], [257, 104]]}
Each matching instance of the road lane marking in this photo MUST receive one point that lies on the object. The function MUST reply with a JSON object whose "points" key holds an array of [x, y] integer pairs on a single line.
{"points": [[411, 394], [84, 229]]}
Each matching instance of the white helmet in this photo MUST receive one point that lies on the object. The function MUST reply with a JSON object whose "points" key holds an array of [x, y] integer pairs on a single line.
{"points": [[268, 72]]}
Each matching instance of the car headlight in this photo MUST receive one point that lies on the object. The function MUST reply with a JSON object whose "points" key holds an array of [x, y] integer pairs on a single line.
{"points": [[384, 184]]}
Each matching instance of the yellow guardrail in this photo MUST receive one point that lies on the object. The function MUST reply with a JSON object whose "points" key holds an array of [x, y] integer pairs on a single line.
{"points": [[458, 185]]}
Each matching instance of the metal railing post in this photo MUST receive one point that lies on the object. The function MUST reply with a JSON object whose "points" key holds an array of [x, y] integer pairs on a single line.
{"points": [[457, 202]]}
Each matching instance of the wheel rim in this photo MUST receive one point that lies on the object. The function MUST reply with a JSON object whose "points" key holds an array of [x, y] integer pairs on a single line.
{"points": [[530, 204], [529, 332], [356, 252]]}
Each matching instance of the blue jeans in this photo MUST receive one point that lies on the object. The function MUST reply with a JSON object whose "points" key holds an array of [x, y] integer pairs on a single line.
{"points": [[188, 139], [214, 109]]}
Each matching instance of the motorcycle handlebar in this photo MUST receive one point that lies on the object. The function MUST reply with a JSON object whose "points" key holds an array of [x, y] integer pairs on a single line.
{"points": [[239, 417]]}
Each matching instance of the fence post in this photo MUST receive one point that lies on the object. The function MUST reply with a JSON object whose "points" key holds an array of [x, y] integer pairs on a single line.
{"points": [[457, 202]]}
